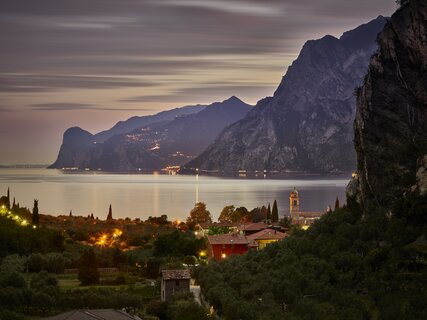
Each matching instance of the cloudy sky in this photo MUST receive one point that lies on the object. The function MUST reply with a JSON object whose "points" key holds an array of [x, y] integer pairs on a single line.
{"points": [[91, 63]]}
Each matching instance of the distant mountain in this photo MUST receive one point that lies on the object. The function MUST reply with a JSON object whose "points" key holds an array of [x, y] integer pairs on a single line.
{"points": [[77, 142], [152, 146], [307, 125], [138, 122]]}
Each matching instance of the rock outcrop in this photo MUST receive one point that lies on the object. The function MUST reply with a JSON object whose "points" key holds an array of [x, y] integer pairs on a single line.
{"points": [[307, 125], [391, 118]]}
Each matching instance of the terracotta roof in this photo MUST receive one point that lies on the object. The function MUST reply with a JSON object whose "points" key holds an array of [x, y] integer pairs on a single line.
{"points": [[306, 214], [102, 314], [267, 234], [228, 238], [175, 274], [256, 226], [207, 225]]}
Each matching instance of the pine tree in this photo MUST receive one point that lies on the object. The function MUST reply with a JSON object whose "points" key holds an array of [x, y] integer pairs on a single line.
{"points": [[337, 203], [275, 212], [36, 217], [110, 213], [268, 212]]}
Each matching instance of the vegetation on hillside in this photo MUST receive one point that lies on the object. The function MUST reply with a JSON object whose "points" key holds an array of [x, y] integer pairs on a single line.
{"points": [[346, 266]]}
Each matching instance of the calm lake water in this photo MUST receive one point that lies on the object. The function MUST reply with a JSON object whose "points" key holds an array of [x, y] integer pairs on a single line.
{"points": [[142, 195]]}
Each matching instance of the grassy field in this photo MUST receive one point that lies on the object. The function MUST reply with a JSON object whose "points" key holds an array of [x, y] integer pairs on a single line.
{"points": [[107, 280]]}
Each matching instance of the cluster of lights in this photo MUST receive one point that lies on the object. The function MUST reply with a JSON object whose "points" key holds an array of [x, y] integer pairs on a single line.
{"points": [[109, 240], [18, 219]]}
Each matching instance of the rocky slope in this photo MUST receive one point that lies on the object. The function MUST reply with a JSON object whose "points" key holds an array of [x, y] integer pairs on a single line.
{"points": [[153, 146], [391, 118], [307, 124]]}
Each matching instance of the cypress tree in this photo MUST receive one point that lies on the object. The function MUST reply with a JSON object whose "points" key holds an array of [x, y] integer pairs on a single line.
{"points": [[268, 212], [14, 206], [337, 203], [8, 199], [275, 212], [110, 213], [36, 217], [71, 213]]}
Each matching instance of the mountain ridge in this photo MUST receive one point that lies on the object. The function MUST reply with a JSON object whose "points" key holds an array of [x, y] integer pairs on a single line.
{"points": [[153, 146], [306, 126]]}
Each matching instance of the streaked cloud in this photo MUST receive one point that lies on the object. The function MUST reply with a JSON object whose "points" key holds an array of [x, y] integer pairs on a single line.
{"points": [[259, 8], [102, 61], [60, 106]]}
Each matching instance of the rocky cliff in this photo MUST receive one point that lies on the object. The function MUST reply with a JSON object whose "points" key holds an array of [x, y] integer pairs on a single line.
{"points": [[391, 118], [307, 124]]}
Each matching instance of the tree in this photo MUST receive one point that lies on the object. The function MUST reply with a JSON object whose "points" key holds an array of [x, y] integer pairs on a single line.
{"points": [[402, 2], [268, 212], [35, 216], [226, 214], [337, 204], [8, 199], [88, 269], [36, 262], [110, 213], [244, 214], [275, 212], [199, 214]]}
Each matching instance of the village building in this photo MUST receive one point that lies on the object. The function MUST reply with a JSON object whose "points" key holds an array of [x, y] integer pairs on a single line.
{"points": [[246, 228], [174, 281], [265, 237], [301, 218], [222, 246], [255, 227]]}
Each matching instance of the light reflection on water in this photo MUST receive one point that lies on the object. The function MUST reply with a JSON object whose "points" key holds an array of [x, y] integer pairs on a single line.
{"points": [[144, 195]]}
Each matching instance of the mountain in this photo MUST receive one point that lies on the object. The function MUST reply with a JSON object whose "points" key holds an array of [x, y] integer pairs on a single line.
{"points": [[307, 125], [138, 122], [152, 146], [391, 117], [77, 142]]}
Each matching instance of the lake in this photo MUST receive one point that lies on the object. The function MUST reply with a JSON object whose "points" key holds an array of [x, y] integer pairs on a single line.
{"points": [[143, 195]]}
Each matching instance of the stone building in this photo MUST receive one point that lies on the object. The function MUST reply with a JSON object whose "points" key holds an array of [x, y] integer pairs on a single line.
{"points": [[174, 281]]}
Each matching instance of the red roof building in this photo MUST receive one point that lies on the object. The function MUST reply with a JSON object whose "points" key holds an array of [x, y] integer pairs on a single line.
{"points": [[223, 245]]}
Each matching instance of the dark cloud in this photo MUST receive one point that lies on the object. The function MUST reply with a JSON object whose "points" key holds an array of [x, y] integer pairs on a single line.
{"points": [[43, 82], [78, 106], [160, 53]]}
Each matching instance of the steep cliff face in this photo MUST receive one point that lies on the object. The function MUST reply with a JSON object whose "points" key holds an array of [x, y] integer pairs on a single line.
{"points": [[307, 124], [75, 145], [391, 118]]}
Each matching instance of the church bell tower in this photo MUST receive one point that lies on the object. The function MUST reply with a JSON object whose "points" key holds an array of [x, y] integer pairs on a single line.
{"points": [[294, 203]]}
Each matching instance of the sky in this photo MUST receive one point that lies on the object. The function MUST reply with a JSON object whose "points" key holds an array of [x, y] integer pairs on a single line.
{"points": [[91, 63]]}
